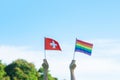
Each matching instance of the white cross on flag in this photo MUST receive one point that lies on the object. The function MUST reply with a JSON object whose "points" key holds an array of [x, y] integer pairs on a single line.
{"points": [[51, 44]]}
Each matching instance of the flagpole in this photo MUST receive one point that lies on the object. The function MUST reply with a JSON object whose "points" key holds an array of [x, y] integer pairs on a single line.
{"points": [[44, 49], [74, 51], [74, 55], [45, 54]]}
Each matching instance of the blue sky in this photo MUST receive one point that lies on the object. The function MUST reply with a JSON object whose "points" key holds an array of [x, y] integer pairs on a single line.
{"points": [[25, 23]]}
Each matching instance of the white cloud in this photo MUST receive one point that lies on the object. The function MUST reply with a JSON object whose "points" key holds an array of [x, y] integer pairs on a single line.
{"points": [[104, 60], [11, 53]]}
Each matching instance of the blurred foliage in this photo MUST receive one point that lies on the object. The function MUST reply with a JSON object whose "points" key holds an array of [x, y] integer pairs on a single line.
{"points": [[22, 70]]}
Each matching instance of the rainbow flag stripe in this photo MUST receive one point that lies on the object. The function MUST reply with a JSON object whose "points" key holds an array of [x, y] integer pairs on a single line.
{"points": [[83, 47]]}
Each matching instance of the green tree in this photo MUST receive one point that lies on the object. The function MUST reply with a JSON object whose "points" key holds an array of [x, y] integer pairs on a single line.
{"points": [[50, 77], [22, 70], [3, 75]]}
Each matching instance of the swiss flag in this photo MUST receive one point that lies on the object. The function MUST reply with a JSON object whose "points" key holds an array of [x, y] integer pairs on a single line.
{"points": [[51, 44]]}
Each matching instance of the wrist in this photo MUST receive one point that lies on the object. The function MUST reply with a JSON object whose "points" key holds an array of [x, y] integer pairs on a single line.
{"points": [[71, 71]]}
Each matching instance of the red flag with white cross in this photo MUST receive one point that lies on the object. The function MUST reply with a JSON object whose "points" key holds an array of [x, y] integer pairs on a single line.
{"points": [[51, 44]]}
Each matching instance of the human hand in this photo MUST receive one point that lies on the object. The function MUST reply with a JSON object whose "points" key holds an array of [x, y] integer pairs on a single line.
{"points": [[45, 64], [72, 65]]}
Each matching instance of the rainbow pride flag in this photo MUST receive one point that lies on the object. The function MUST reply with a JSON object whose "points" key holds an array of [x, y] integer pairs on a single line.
{"points": [[83, 47]]}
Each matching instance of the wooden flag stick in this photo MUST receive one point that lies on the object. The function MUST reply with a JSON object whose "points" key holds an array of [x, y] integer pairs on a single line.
{"points": [[45, 54], [44, 48], [74, 51], [74, 55]]}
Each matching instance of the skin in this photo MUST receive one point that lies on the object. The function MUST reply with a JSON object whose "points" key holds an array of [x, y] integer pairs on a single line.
{"points": [[46, 66], [72, 67]]}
